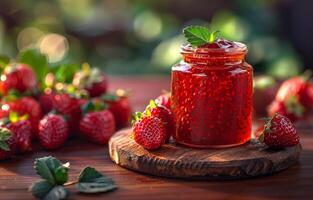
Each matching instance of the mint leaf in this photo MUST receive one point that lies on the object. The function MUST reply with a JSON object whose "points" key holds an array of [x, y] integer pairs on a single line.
{"points": [[92, 181], [52, 170], [35, 60], [41, 189], [199, 35], [57, 193]]}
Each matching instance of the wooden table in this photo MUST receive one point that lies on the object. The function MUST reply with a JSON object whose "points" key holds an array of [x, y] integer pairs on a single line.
{"points": [[294, 183]]}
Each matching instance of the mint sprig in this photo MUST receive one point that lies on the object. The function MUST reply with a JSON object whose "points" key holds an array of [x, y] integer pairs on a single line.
{"points": [[55, 177], [200, 35]]}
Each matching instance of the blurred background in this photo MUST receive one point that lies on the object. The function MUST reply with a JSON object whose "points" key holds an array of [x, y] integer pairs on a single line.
{"points": [[144, 36]]}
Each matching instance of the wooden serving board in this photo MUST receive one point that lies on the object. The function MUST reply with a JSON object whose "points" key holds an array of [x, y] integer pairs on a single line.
{"points": [[177, 161]]}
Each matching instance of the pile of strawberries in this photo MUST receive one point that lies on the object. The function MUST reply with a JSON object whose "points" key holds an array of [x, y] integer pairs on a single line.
{"points": [[51, 112]]}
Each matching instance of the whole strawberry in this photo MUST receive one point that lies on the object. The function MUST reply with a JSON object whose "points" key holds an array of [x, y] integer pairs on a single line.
{"points": [[297, 87], [164, 114], [97, 125], [120, 107], [164, 100], [21, 130], [23, 106], [91, 79], [19, 77], [53, 131], [279, 132], [149, 131], [291, 108]]}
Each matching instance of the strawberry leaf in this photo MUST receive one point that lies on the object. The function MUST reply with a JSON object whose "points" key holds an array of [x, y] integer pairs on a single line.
{"points": [[4, 146], [37, 61], [57, 193], [40, 189], [51, 169], [92, 181], [199, 35]]}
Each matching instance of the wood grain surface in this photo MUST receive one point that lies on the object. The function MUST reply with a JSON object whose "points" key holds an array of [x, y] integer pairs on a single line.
{"points": [[176, 161], [293, 183]]}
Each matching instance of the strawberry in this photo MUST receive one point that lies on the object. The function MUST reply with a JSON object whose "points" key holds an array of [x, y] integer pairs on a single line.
{"points": [[120, 107], [22, 106], [279, 132], [290, 108], [97, 126], [164, 100], [53, 131], [46, 101], [22, 132], [164, 114], [149, 131], [19, 77], [299, 88], [91, 79], [7, 144]]}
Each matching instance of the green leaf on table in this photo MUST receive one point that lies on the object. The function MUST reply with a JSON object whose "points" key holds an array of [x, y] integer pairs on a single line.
{"points": [[92, 181], [51, 169], [57, 193], [199, 35], [35, 60], [40, 189]]}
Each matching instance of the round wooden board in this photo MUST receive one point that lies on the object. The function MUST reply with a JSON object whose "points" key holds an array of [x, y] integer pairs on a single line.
{"points": [[177, 161]]}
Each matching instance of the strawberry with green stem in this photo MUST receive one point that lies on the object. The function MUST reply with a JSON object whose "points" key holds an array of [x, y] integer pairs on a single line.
{"points": [[279, 132], [148, 131], [97, 123], [91, 79]]}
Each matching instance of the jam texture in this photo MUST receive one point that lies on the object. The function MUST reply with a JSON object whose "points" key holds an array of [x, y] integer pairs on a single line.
{"points": [[212, 95]]}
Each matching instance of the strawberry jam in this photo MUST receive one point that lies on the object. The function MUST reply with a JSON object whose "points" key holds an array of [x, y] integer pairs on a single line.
{"points": [[212, 95]]}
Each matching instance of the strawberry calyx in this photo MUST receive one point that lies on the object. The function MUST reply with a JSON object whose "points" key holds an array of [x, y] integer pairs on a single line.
{"points": [[115, 96], [93, 106], [13, 118], [87, 76], [267, 128], [5, 135]]}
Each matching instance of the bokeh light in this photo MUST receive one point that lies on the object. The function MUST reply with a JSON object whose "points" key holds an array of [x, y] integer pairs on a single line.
{"points": [[147, 26], [28, 38], [55, 46]]}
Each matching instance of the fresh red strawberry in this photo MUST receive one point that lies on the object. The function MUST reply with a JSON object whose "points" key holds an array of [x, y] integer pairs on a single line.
{"points": [[299, 88], [290, 108], [22, 133], [7, 144], [91, 79], [23, 106], [53, 131], [120, 107], [164, 114], [149, 132], [98, 126], [46, 101], [19, 77], [279, 132], [164, 100]]}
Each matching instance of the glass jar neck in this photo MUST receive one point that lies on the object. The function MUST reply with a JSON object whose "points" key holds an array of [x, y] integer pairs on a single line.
{"points": [[213, 57]]}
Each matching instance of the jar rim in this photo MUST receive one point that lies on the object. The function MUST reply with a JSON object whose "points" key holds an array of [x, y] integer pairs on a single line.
{"points": [[238, 49]]}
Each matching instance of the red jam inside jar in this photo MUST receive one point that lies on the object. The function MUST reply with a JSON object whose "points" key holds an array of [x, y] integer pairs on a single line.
{"points": [[212, 95]]}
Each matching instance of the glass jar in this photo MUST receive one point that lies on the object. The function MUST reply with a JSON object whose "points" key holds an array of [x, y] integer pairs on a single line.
{"points": [[212, 95]]}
